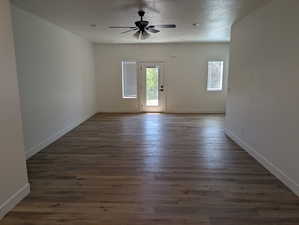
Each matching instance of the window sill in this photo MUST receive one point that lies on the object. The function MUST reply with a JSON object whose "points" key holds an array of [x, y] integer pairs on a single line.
{"points": [[215, 90], [129, 97]]}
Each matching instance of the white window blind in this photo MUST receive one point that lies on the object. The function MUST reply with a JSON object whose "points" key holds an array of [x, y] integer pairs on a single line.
{"points": [[129, 79], [215, 76]]}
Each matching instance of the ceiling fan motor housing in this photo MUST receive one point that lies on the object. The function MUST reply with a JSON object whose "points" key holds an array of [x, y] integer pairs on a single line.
{"points": [[141, 24], [141, 13]]}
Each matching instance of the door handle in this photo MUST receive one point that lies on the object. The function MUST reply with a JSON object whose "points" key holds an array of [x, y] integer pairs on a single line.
{"points": [[161, 89]]}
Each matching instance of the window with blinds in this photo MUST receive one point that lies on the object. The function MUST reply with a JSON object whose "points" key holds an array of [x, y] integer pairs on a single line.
{"points": [[129, 79], [215, 76]]}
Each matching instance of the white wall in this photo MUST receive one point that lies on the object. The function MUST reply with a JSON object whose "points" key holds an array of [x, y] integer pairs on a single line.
{"points": [[263, 100], [186, 75], [56, 77], [13, 178]]}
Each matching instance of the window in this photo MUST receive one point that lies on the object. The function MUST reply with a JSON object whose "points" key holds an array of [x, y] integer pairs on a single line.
{"points": [[215, 76], [129, 79]]}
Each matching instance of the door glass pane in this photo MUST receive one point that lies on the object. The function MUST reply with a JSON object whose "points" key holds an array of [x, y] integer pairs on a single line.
{"points": [[152, 86]]}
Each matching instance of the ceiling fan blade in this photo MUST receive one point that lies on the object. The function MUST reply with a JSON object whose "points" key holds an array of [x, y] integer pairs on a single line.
{"points": [[129, 31], [121, 27], [152, 30], [137, 35], [145, 35], [165, 26]]}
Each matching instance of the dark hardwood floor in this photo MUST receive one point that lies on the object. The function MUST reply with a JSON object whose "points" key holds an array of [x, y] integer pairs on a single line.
{"points": [[151, 169]]}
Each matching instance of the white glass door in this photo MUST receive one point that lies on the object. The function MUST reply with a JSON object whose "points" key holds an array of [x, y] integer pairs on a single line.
{"points": [[152, 88]]}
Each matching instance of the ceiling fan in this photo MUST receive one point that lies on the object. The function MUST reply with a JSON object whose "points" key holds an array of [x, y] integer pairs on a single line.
{"points": [[143, 28]]}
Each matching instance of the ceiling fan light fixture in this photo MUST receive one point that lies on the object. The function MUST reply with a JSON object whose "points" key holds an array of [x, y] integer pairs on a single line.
{"points": [[137, 35], [145, 35]]}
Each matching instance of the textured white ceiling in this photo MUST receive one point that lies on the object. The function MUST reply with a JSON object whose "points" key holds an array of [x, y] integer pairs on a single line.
{"points": [[214, 17]]}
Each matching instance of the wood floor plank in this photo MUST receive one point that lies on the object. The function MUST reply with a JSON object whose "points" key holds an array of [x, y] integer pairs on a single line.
{"points": [[151, 169]]}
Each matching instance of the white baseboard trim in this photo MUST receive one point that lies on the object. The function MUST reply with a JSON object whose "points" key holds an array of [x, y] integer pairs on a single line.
{"points": [[276, 171], [33, 150], [167, 111], [118, 112], [195, 111], [11, 203]]}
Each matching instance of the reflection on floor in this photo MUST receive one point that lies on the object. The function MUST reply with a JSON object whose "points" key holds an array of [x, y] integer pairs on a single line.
{"points": [[151, 169]]}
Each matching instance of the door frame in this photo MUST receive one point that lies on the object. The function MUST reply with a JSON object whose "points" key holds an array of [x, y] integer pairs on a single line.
{"points": [[140, 80]]}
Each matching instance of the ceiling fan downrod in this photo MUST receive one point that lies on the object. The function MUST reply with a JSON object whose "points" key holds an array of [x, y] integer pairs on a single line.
{"points": [[141, 13]]}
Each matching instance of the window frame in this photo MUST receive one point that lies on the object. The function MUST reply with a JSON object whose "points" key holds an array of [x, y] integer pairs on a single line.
{"points": [[222, 77], [125, 62]]}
